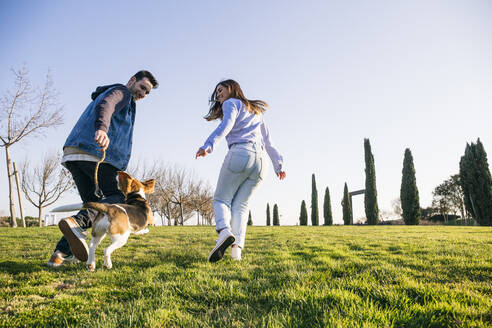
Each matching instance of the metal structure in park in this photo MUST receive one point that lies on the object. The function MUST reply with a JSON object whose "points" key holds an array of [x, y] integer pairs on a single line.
{"points": [[355, 193]]}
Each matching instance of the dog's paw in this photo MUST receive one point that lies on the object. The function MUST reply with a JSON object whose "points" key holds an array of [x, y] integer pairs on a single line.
{"points": [[108, 264]]}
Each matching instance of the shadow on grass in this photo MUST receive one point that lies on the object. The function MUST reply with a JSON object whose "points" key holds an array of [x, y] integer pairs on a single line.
{"points": [[306, 256], [183, 261], [12, 267]]}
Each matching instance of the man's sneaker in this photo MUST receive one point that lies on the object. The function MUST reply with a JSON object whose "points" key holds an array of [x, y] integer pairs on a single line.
{"points": [[58, 258], [236, 253], [75, 237], [225, 240]]}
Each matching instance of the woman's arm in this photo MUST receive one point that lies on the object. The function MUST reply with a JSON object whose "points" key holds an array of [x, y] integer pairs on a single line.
{"points": [[230, 114], [275, 156]]}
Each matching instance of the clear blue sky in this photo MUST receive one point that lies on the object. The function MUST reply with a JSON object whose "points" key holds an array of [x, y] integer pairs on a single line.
{"points": [[414, 74]]}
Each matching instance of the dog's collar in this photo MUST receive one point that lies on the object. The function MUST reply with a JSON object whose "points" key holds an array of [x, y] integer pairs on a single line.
{"points": [[134, 195]]}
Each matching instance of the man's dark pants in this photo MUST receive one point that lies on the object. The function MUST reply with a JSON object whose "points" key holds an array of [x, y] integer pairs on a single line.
{"points": [[83, 175]]}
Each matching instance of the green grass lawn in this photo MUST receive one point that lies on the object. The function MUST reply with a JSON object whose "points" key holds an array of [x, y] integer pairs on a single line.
{"points": [[358, 276]]}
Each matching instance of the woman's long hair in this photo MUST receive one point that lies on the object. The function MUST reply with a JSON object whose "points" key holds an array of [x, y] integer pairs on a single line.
{"points": [[253, 106]]}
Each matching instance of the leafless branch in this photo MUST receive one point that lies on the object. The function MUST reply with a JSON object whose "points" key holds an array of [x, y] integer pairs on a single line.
{"points": [[44, 184], [27, 111], [178, 193]]}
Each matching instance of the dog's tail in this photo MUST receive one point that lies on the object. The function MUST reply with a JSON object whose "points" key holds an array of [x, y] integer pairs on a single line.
{"points": [[101, 207]]}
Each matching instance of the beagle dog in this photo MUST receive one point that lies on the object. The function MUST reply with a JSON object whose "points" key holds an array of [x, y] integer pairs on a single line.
{"points": [[119, 220]]}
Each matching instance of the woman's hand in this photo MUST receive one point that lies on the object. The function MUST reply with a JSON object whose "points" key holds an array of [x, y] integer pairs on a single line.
{"points": [[102, 139], [281, 175], [200, 153]]}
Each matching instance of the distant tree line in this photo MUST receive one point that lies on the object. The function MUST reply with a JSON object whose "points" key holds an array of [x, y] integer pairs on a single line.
{"points": [[468, 193], [178, 194], [26, 112]]}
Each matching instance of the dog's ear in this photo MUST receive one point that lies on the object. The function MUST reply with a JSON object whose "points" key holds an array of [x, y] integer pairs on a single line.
{"points": [[124, 182], [151, 219], [124, 175], [149, 186]]}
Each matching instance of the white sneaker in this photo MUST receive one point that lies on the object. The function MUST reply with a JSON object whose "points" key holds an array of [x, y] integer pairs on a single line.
{"points": [[58, 258], [75, 237], [236, 253], [225, 240]]}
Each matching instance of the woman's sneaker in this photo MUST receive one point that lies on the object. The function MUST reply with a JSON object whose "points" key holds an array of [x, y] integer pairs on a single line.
{"points": [[75, 237], [58, 258], [236, 253], [225, 240]]}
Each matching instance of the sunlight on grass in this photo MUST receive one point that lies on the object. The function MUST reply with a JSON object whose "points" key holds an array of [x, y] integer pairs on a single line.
{"points": [[290, 277]]}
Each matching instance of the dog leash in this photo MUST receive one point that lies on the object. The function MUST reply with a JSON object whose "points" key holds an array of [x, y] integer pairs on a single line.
{"points": [[97, 192]]}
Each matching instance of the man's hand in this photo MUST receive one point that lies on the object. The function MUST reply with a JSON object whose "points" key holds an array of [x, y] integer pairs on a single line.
{"points": [[200, 153], [281, 175], [102, 139]]}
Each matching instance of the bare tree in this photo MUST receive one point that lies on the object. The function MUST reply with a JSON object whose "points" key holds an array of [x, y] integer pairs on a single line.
{"points": [[160, 200], [178, 194], [44, 184], [201, 199], [25, 112], [182, 184], [205, 205], [208, 213]]}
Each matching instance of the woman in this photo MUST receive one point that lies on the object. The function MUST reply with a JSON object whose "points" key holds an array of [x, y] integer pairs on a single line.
{"points": [[244, 166]]}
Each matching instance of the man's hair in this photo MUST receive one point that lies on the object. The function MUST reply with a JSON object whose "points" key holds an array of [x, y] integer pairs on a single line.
{"points": [[146, 74]]}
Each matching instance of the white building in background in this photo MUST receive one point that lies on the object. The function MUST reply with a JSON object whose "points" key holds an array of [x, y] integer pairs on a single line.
{"points": [[159, 221], [51, 219]]}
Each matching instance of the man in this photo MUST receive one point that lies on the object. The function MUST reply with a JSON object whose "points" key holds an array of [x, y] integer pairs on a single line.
{"points": [[106, 124]]}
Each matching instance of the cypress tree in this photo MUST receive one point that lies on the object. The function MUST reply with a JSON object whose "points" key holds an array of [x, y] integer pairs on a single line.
{"points": [[276, 221], [465, 177], [484, 195], [268, 215], [303, 217], [250, 220], [327, 208], [347, 207], [409, 194], [314, 203], [476, 182], [370, 196]]}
